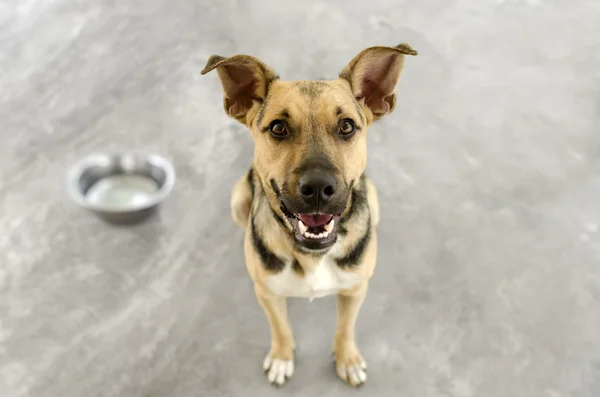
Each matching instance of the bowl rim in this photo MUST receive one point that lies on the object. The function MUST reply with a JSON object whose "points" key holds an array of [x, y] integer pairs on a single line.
{"points": [[84, 163]]}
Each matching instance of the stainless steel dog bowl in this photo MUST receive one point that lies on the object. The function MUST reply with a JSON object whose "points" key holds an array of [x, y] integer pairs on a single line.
{"points": [[121, 187]]}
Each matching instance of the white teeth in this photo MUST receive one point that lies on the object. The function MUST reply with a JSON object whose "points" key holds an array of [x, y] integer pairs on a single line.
{"points": [[312, 235], [304, 230], [302, 226], [329, 226]]}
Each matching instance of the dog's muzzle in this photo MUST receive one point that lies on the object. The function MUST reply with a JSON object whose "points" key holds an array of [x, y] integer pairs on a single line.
{"points": [[314, 211]]}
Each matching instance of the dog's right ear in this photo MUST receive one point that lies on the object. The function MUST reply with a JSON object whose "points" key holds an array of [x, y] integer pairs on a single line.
{"points": [[244, 79]]}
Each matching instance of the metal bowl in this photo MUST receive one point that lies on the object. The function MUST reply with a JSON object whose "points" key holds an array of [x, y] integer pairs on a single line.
{"points": [[121, 187]]}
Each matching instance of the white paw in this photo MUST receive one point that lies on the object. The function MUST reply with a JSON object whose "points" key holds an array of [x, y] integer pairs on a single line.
{"points": [[278, 371], [353, 373]]}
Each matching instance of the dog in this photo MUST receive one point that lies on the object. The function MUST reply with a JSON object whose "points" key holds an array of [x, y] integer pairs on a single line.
{"points": [[308, 210]]}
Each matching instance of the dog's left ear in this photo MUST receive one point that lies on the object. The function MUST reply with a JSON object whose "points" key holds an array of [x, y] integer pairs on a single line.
{"points": [[374, 74], [244, 80]]}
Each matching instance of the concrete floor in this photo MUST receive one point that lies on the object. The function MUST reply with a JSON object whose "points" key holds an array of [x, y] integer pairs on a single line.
{"points": [[489, 174]]}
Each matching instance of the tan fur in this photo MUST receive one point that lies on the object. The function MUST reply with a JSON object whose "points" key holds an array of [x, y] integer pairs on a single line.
{"points": [[315, 118], [373, 201], [241, 202], [255, 96]]}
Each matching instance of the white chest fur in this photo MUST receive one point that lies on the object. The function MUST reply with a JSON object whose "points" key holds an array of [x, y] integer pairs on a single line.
{"points": [[324, 279]]}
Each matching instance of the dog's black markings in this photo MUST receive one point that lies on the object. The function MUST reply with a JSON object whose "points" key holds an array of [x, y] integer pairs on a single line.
{"points": [[339, 112], [359, 202], [271, 262], [261, 112], [354, 257], [317, 160], [250, 179], [279, 219], [359, 110], [311, 89], [283, 115], [275, 188], [263, 107], [275, 215], [347, 75], [301, 249], [296, 267]]}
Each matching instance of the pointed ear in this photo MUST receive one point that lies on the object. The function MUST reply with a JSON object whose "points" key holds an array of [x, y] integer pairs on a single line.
{"points": [[374, 74], [244, 80]]}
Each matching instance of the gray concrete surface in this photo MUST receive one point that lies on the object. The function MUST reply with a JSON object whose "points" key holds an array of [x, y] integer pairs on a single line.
{"points": [[489, 277]]}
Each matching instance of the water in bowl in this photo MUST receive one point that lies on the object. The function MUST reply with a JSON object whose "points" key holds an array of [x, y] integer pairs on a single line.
{"points": [[122, 191]]}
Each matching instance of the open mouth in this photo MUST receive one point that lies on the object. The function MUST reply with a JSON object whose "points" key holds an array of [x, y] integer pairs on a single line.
{"points": [[315, 231]]}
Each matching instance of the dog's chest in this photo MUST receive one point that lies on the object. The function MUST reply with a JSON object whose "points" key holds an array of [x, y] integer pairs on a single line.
{"points": [[324, 279]]}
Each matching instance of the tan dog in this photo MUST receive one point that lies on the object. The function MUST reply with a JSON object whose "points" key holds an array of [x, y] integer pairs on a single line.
{"points": [[309, 212]]}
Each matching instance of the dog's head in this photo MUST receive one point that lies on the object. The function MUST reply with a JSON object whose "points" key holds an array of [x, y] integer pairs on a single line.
{"points": [[310, 136]]}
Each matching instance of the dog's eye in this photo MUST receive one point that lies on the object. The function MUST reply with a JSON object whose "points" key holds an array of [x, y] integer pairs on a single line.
{"points": [[347, 128], [278, 129]]}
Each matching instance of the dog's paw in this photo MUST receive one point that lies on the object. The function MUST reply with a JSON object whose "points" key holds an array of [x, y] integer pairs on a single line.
{"points": [[278, 367], [350, 366]]}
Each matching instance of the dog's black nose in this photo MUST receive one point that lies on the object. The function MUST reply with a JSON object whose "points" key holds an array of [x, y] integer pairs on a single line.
{"points": [[317, 186]]}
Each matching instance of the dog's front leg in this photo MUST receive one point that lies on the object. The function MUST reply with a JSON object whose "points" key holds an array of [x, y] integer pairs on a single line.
{"points": [[279, 363], [350, 365]]}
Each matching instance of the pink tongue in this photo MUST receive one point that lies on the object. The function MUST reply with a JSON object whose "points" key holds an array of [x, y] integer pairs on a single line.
{"points": [[313, 220]]}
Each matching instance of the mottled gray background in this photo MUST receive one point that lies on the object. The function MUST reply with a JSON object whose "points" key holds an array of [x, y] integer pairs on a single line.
{"points": [[489, 275]]}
